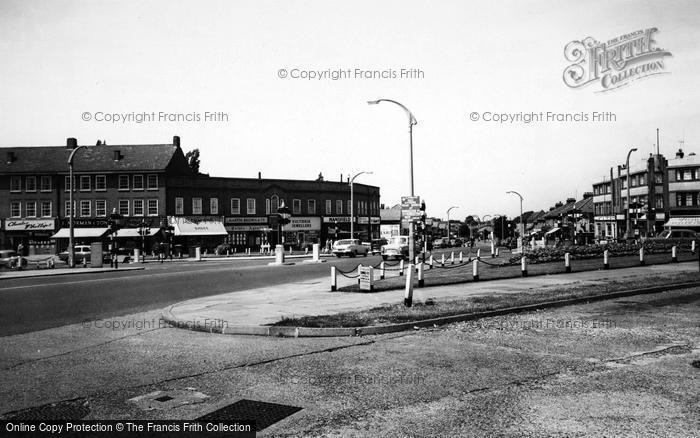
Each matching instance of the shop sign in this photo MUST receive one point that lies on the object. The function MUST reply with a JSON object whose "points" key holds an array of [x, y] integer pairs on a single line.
{"points": [[30, 224], [246, 228], [303, 224], [338, 219], [363, 220], [366, 278], [245, 220], [375, 220]]}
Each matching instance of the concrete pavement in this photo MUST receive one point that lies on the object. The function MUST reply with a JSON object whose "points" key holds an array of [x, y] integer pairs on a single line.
{"points": [[243, 312]]}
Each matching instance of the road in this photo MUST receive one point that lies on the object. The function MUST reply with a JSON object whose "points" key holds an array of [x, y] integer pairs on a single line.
{"points": [[39, 303]]}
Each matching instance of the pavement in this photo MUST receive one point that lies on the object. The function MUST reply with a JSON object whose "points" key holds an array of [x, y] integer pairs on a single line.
{"points": [[251, 311]]}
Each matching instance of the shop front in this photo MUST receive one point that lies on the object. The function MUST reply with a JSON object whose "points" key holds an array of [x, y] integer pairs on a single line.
{"points": [[33, 234], [248, 232], [206, 232], [302, 232], [335, 228]]}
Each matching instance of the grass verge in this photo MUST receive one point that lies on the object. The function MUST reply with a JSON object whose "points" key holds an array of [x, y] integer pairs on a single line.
{"points": [[398, 313]]}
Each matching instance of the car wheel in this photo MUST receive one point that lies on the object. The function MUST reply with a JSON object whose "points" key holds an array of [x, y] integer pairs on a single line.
{"points": [[353, 254], [384, 257]]}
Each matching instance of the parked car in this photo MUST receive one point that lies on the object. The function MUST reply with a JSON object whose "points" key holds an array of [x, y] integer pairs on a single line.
{"points": [[675, 236], [123, 256], [396, 248], [350, 248], [442, 242], [80, 252], [376, 246], [9, 258]]}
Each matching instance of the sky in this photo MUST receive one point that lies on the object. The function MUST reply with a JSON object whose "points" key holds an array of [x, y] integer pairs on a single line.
{"points": [[265, 70]]}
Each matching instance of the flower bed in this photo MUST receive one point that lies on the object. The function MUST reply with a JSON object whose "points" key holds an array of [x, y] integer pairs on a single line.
{"points": [[553, 254]]}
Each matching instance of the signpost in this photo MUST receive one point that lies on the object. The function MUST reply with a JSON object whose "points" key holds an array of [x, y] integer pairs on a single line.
{"points": [[366, 278]]}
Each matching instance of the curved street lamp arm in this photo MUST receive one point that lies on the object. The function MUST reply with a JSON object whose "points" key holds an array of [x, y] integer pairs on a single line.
{"points": [[358, 174], [513, 191], [411, 118], [72, 154]]}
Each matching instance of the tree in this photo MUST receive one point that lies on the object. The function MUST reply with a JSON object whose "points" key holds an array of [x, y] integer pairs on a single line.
{"points": [[192, 158]]}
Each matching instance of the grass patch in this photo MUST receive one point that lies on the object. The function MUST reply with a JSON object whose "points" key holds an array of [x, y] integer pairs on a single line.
{"points": [[397, 313]]}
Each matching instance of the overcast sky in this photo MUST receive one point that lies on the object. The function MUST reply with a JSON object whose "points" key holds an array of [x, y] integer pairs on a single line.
{"points": [[61, 59]]}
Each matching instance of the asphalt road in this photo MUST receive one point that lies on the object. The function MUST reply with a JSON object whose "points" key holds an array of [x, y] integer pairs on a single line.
{"points": [[43, 302]]}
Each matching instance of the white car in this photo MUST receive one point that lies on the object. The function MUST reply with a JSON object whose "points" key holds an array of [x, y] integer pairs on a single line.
{"points": [[349, 247], [396, 248]]}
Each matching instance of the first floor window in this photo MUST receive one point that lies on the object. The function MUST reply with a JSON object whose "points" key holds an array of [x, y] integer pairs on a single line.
{"points": [[138, 207], [31, 208], [251, 205], [213, 205], [100, 183], [338, 207], [84, 183], [153, 207], [15, 209], [123, 182], [67, 209], [196, 205], [152, 182], [85, 208], [138, 182], [124, 207], [179, 205], [15, 183], [312, 206], [329, 206], [267, 206], [296, 206], [235, 206], [31, 184], [101, 208], [46, 209], [45, 183]]}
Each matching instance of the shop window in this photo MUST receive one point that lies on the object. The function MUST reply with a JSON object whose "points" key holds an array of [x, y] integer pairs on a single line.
{"points": [[46, 210], [213, 205], [153, 207], [138, 207], [236, 206], [296, 206], [85, 209], [31, 208], [138, 182], [31, 184], [179, 205], [15, 209], [123, 182], [15, 184], [311, 205], [196, 205], [124, 207], [152, 182], [250, 202], [45, 183], [101, 208], [85, 183], [100, 183]]}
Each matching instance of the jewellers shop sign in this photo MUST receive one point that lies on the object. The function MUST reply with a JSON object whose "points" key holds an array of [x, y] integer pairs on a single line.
{"points": [[615, 63], [30, 224]]}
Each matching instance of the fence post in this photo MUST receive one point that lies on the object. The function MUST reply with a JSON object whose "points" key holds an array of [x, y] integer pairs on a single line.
{"points": [[567, 262], [290, 250], [359, 267], [401, 267], [408, 296], [523, 266], [452, 258], [461, 258], [442, 260], [493, 250], [674, 257], [497, 248], [421, 277], [478, 254], [381, 270], [334, 279], [606, 264], [641, 256], [475, 270], [692, 247], [430, 262]]}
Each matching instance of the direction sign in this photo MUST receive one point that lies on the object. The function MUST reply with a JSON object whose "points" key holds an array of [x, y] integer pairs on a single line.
{"points": [[410, 202]]}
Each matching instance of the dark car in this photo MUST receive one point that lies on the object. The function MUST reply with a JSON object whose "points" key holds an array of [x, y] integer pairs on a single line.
{"points": [[80, 252], [678, 236], [10, 258], [376, 246]]}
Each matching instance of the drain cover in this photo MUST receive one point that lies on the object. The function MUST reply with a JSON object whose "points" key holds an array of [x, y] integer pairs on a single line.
{"points": [[164, 400], [264, 414], [74, 409]]}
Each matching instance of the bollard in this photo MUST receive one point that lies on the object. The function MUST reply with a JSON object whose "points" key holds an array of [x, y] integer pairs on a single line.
{"points": [[567, 262], [523, 266], [442, 260], [19, 262], [493, 250], [478, 254], [334, 279], [306, 251], [641, 256], [137, 255], [461, 258], [497, 248], [421, 277], [316, 252], [359, 267], [408, 296], [674, 257], [235, 250], [401, 267], [430, 265], [290, 250], [692, 247], [381, 270], [475, 270], [452, 258], [279, 254]]}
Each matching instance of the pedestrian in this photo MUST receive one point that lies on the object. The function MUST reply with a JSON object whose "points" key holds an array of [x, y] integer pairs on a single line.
{"points": [[20, 249]]}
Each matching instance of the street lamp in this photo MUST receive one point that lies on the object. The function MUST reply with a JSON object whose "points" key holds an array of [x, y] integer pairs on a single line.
{"points": [[116, 221], [411, 121], [522, 224], [352, 204], [71, 251], [627, 166], [448, 220]]}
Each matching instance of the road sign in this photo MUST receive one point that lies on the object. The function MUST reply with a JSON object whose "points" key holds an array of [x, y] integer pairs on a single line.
{"points": [[410, 202]]}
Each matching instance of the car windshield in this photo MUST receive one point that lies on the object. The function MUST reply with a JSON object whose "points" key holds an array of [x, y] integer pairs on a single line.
{"points": [[398, 241], [665, 234]]}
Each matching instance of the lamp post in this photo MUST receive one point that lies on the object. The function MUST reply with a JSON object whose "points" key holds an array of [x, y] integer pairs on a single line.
{"points": [[411, 121], [352, 204], [71, 251], [522, 224], [448, 220], [115, 223], [627, 166]]}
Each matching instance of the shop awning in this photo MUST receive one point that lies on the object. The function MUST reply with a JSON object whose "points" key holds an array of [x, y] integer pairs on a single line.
{"points": [[64, 233], [134, 232], [202, 228], [553, 230], [683, 221]]}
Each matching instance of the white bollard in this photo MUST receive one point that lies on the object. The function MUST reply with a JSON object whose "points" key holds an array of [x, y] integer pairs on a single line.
{"points": [[137, 255], [606, 263], [430, 262], [401, 267], [381, 270], [408, 295], [493, 250], [290, 250], [692, 247], [442, 260], [421, 277], [523, 266], [674, 256], [475, 270], [452, 258], [334, 279], [497, 248], [641, 256], [279, 254], [567, 262], [198, 253], [359, 268], [461, 258], [316, 252], [478, 254]]}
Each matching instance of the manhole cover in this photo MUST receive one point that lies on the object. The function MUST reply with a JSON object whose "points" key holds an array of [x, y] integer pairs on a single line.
{"points": [[264, 414], [74, 409], [696, 364]]}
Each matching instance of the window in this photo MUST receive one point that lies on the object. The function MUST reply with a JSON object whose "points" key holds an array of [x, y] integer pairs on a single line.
{"points": [[66, 209], [642, 180], [31, 209], [66, 183], [124, 207], [251, 205], [46, 209], [179, 205], [689, 199], [338, 207], [138, 207], [274, 204], [84, 183], [687, 175], [152, 182], [235, 206], [196, 205], [15, 209], [100, 208], [659, 201], [214, 206], [100, 183], [658, 178], [296, 206], [31, 184], [15, 184], [85, 209], [267, 205], [350, 207], [138, 182], [329, 206], [123, 182], [153, 207], [45, 182], [311, 206]]}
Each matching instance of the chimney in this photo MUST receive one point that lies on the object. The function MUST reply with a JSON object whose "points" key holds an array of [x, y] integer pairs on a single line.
{"points": [[71, 143], [117, 155], [11, 157], [587, 195], [341, 177], [259, 175], [570, 200], [680, 153], [176, 141]]}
